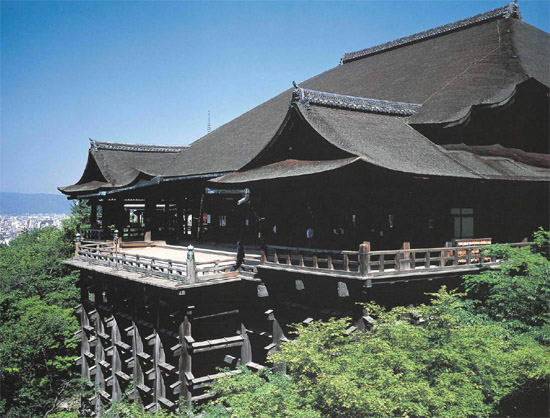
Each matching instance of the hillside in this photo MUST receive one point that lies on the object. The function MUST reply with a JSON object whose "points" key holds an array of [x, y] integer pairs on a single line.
{"points": [[27, 203]]}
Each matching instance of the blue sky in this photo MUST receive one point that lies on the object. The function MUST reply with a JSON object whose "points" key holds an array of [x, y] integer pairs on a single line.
{"points": [[149, 71]]}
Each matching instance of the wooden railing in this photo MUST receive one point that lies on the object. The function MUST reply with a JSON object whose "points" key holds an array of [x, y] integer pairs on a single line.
{"points": [[187, 272], [371, 263], [345, 261], [91, 234]]}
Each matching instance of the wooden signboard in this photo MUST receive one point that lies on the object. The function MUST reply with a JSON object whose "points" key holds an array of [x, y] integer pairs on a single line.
{"points": [[474, 253]]}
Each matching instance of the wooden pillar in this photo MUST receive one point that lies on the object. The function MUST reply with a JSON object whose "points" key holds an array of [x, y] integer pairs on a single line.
{"points": [[185, 227], [166, 219], [158, 357], [99, 357], [246, 348], [277, 337], [116, 361], [137, 347], [93, 213], [150, 209], [121, 218], [185, 365], [107, 216], [200, 218], [179, 220]]}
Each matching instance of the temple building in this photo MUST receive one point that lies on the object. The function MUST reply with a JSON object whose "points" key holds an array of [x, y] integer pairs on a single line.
{"points": [[392, 167]]}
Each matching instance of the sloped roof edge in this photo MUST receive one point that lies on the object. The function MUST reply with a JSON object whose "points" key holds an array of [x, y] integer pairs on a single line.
{"points": [[118, 146], [342, 101], [510, 10], [282, 169]]}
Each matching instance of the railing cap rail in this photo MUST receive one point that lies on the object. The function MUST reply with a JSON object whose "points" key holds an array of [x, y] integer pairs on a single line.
{"points": [[311, 250], [513, 244]]}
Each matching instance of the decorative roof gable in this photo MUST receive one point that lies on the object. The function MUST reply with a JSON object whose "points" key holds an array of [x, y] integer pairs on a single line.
{"points": [[115, 146], [341, 101], [511, 10]]}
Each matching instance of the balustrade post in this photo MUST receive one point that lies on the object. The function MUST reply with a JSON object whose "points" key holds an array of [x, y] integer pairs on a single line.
{"points": [[191, 266], [115, 243], [77, 241], [402, 260], [364, 258], [263, 257]]}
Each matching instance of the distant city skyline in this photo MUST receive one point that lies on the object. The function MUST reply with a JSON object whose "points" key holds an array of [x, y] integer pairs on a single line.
{"points": [[150, 72]]}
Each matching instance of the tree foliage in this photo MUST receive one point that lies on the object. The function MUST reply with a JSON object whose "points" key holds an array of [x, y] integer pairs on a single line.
{"points": [[476, 354], [447, 367], [37, 322], [517, 294]]}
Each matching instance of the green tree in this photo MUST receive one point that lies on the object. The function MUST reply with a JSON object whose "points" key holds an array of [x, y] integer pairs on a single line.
{"points": [[517, 293], [452, 366], [37, 322]]}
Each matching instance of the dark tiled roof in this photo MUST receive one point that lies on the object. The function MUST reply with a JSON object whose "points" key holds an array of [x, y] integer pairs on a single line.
{"points": [[287, 168], [511, 10], [529, 158], [389, 142], [479, 61], [113, 165], [117, 146], [342, 101], [447, 74]]}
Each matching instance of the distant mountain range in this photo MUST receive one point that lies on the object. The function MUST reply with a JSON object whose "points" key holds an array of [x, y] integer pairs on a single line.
{"points": [[31, 203]]}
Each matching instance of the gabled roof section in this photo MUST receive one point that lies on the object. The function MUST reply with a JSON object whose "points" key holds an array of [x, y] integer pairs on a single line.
{"points": [[478, 61], [342, 101], [511, 10], [113, 165], [380, 139]]}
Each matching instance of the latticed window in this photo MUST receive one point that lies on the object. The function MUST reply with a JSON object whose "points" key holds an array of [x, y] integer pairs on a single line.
{"points": [[463, 222]]}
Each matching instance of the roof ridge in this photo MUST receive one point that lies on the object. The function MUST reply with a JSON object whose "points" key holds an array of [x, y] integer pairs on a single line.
{"points": [[118, 146], [342, 101], [510, 10]]}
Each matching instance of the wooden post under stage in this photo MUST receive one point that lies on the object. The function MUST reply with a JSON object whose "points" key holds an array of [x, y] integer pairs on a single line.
{"points": [[93, 213], [185, 365], [150, 209]]}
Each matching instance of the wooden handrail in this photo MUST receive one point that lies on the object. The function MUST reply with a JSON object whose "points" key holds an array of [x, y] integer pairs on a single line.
{"points": [[105, 253], [513, 244], [377, 262]]}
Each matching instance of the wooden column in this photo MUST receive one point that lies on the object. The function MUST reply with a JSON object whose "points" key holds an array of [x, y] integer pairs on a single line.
{"points": [[150, 209], [185, 365], [137, 347], [158, 357], [277, 337], [99, 357], [93, 213], [179, 220], [166, 219], [121, 219], [116, 361], [107, 216], [246, 348]]}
